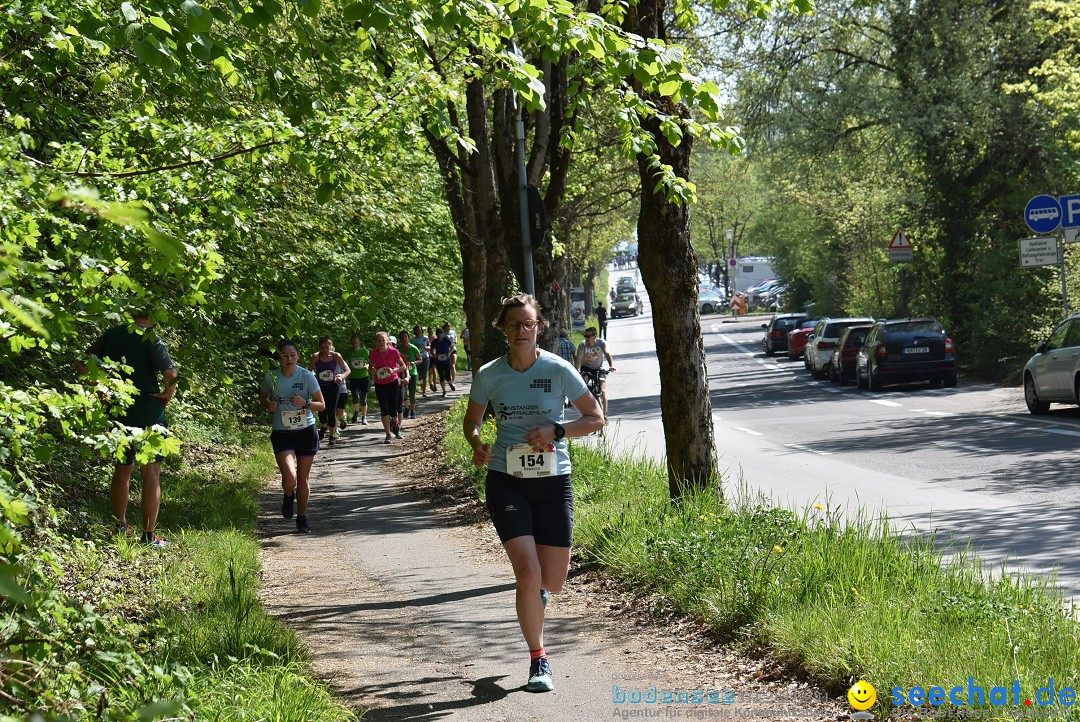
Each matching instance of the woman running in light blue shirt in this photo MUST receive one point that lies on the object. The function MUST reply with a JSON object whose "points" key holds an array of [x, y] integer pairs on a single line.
{"points": [[529, 496]]}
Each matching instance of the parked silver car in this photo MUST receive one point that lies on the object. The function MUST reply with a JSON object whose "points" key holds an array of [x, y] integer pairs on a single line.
{"points": [[1053, 373], [711, 301]]}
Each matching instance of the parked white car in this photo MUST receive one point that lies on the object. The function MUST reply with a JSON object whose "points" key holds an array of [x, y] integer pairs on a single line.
{"points": [[711, 301], [1052, 375], [820, 345]]}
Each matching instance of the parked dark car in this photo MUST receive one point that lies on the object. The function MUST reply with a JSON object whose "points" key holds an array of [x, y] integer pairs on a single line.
{"points": [[1053, 373], [626, 304], [841, 366], [902, 350], [776, 332], [797, 337]]}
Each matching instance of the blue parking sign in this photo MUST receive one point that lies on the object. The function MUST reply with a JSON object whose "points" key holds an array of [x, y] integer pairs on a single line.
{"points": [[1043, 214], [1070, 211]]}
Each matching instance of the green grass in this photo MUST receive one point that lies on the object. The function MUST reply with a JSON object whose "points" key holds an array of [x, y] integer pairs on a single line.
{"points": [[180, 631], [835, 600]]}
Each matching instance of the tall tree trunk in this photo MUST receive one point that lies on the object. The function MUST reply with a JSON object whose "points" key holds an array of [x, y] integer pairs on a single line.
{"points": [[669, 269]]}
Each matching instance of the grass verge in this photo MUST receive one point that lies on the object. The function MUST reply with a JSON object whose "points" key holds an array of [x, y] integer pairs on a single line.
{"points": [[835, 600], [179, 632]]}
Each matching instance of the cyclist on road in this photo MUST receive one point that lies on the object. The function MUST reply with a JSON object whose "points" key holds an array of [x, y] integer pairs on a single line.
{"points": [[590, 359], [529, 495]]}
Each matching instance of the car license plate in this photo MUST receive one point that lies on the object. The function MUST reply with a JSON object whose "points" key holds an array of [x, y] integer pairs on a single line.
{"points": [[917, 349]]}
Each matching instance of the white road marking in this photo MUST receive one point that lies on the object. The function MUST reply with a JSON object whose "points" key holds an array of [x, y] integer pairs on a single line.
{"points": [[1063, 432], [800, 447], [965, 447], [883, 402], [998, 422], [938, 413], [749, 431]]}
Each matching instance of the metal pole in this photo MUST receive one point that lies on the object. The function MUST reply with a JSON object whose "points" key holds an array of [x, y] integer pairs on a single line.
{"points": [[1064, 286], [523, 188]]}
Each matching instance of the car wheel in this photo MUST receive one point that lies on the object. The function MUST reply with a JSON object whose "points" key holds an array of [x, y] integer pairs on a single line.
{"points": [[843, 378], [872, 382], [1031, 397], [768, 349], [806, 361], [859, 381], [706, 308], [950, 381]]}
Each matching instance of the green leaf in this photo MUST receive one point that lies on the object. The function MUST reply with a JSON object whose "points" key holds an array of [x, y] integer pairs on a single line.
{"points": [[11, 588], [159, 22], [355, 11], [310, 7], [324, 193], [670, 87], [158, 710], [199, 20], [130, 14], [165, 243]]}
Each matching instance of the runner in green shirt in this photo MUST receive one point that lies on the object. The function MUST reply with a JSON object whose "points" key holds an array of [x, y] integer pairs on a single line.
{"points": [[412, 356], [359, 379]]}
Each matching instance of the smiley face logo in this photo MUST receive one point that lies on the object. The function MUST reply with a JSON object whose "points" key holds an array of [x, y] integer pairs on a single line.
{"points": [[862, 695]]}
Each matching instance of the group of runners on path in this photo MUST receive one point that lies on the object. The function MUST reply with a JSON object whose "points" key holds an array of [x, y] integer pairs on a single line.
{"points": [[528, 484], [294, 395]]}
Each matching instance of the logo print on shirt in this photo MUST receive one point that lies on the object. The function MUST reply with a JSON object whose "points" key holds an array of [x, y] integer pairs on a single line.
{"points": [[544, 384]]}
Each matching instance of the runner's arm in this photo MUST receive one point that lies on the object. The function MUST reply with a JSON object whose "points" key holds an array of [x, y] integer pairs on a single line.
{"points": [[342, 363], [470, 426]]}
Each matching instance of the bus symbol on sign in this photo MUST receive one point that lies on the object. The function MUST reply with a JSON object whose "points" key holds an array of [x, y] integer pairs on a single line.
{"points": [[1043, 214]]}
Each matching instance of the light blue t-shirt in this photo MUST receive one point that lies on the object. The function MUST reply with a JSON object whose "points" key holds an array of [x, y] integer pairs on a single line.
{"points": [[522, 399], [281, 389]]}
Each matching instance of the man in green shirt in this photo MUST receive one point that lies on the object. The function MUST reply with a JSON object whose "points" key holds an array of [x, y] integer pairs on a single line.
{"points": [[136, 346]]}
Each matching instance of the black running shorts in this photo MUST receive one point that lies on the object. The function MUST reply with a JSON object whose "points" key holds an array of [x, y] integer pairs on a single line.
{"points": [[359, 389], [541, 508], [303, 442]]}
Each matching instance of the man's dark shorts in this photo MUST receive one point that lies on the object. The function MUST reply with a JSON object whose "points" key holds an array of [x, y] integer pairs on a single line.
{"points": [[129, 457], [541, 508], [129, 450], [303, 442]]}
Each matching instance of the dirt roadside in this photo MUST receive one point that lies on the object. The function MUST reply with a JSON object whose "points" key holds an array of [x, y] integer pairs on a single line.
{"points": [[404, 598]]}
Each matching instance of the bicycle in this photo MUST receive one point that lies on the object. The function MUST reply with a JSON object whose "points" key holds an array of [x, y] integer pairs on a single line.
{"points": [[593, 379]]}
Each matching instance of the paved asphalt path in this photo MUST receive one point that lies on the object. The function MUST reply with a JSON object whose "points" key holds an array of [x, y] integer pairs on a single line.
{"points": [[415, 620], [968, 463]]}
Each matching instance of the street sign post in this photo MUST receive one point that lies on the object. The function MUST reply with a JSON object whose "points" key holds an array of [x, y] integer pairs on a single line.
{"points": [[1043, 214], [900, 248], [1038, 252]]}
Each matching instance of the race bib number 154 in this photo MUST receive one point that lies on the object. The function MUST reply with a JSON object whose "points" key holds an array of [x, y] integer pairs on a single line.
{"points": [[523, 461]]}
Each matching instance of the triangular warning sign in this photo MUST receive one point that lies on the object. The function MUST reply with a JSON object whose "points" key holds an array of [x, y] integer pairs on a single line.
{"points": [[900, 241]]}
